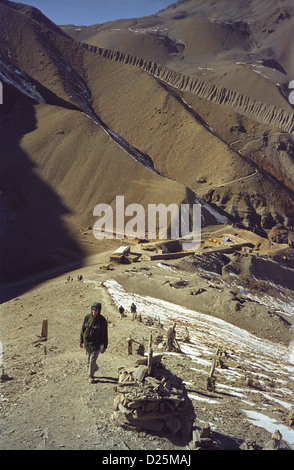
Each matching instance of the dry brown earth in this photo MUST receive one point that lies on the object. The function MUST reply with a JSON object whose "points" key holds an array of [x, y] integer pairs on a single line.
{"points": [[49, 404]]}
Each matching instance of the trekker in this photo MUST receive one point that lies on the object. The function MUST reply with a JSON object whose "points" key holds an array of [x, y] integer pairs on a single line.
{"points": [[171, 335], [94, 336]]}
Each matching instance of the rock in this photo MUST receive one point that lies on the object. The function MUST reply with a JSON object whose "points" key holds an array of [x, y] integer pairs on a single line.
{"points": [[5, 377], [141, 361], [291, 239], [156, 425], [210, 384], [248, 445], [266, 220], [121, 420], [197, 291], [206, 432], [201, 179], [253, 383], [202, 439], [278, 234], [179, 284], [123, 409], [152, 381], [156, 359]]}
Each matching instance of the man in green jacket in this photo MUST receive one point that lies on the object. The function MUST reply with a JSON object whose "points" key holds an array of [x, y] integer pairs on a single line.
{"points": [[94, 336]]}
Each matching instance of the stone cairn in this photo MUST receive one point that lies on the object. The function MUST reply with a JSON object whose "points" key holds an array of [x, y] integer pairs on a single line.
{"points": [[150, 398]]}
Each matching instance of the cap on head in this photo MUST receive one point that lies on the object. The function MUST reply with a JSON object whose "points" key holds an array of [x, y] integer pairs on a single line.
{"points": [[96, 306]]}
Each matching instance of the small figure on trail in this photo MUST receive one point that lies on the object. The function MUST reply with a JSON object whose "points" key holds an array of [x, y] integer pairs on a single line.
{"points": [[121, 311], [94, 336], [133, 311], [80, 277]]}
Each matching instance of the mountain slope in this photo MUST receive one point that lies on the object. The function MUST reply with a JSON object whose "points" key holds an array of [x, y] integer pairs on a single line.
{"points": [[249, 76]]}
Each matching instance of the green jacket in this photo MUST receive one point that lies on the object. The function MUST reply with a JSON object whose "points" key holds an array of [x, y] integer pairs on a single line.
{"points": [[94, 332]]}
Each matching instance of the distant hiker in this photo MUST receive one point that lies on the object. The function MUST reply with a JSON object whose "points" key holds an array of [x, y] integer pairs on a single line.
{"points": [[80, 277], [94, 336], [121, 311], [133, 311], [68, 278]]}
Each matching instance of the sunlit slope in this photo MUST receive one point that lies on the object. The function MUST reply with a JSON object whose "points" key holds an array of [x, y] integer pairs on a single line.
{"points": [[93, 123]]}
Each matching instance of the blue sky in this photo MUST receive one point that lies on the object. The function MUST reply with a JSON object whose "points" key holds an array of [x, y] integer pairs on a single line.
{"points": [[87, 12]]}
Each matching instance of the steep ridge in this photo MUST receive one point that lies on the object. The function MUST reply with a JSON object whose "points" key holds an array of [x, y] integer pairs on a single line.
{"points": [[74, 86], [264, 113], [70, 81], [80, 128]]}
